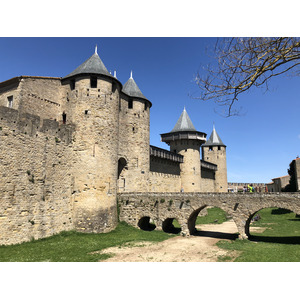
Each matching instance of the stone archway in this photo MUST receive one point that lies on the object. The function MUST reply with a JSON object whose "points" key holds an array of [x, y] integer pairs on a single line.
{"points": [[274, 212], [192, 220], [122, 167], [145, 224], [168, 226], [221, 226]]}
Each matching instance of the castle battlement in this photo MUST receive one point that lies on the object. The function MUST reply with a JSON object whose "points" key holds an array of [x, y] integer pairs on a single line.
{"points": [[32, 125]]}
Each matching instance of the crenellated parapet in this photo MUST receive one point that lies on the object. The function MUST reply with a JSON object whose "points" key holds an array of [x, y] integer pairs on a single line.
{"points": [[32, 125]]}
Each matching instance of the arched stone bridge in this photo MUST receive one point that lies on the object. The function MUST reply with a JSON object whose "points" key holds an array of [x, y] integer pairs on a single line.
{"points": [[138, 208]]}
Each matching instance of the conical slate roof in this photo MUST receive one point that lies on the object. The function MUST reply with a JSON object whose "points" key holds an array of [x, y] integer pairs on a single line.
{"points": [[131, 89], [184, 123], [214, 139], [93, 65]]}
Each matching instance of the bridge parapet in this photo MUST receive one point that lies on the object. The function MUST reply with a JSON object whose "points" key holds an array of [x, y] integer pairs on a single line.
{"points": [[184, 207]]}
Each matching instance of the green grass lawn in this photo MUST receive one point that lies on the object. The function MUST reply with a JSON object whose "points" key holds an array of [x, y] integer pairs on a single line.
{"points": [[280, 242], [73, 246], [214, 215]]}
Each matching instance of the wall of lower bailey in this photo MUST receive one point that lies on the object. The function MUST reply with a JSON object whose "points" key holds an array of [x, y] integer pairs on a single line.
{"points": [[41, 96], [35, 177], [164, 183]]}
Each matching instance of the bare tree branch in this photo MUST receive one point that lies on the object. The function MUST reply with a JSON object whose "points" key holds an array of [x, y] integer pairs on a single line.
{"points": [[243, 63]]}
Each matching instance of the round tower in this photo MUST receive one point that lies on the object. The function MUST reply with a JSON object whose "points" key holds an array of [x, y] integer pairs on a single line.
{"points": [[214, 151], [134, 139], [92, 104], [184, 139]]}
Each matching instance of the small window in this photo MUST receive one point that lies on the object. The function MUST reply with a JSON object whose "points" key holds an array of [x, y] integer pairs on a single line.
{"points": [[72, 84], [93, 81], [10, 101], [219, 147], [130, 104], [146, 106], [210, 148]]}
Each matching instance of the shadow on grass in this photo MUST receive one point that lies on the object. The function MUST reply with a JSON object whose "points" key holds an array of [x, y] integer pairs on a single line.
{"points": [[217, 235], [295, 240]]}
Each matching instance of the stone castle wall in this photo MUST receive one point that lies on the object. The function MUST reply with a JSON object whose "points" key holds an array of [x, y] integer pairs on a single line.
{"points": [[165, 166], [95, 152], [217, 155], [36, 182], [162, 182], [134, 140], [40, 96]]}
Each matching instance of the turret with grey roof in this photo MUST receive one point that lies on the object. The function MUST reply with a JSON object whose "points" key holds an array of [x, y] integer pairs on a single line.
{"points": [[183, 129], [92, 66], [131, 89], [214, 139]]}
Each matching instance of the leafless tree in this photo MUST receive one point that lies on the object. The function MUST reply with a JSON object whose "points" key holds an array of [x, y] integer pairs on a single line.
{"points": [[243, 63]]}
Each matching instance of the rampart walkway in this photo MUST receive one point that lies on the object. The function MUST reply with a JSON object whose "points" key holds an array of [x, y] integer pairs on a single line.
{"points": [[138, 209]]}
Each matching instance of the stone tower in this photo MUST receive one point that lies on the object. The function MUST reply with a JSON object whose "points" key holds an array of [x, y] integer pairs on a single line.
{"points": [[184, 139], [92, 103], [134, 139], [214, 151]]}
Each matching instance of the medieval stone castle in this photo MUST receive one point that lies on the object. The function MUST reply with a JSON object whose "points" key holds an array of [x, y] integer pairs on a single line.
{"points": [[69, 145]]}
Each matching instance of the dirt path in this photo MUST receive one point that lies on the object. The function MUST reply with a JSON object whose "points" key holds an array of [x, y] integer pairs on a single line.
{"points": [[200, 248]]}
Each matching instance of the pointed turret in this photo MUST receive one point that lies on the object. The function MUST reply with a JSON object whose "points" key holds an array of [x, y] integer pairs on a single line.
{"points": [[214, 139], [92, 65], [184, 123], [185, 140], [131, 89], [214, 151], [183, 129]]}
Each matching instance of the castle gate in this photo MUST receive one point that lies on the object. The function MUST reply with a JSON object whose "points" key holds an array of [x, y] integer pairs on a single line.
{"points": [[138, 208]]}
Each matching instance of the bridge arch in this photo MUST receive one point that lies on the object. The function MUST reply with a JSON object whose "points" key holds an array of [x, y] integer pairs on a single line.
{"points": [[278, 205], [191, 222], [145, 224], [229, 233], [168, 225]]}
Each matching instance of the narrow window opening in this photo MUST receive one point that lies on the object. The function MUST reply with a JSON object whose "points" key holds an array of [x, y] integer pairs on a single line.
{"points": [[72, 84], [130, 104], [210, 148], [113, 87], [219, 147], [64, 117], [93, 82], [86, 112], [146, 106], [10, 101]]}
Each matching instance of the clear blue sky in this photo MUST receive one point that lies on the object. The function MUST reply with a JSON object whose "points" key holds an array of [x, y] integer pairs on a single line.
{"points": [[260, 144]]}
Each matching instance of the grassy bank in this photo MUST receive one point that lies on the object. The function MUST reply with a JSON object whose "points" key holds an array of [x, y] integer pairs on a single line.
{"points": [[279, 242], [73, 246]]}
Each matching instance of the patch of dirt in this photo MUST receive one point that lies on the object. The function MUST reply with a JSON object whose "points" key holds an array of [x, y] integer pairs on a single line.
{"points": [[257, 229], [199, 248]]}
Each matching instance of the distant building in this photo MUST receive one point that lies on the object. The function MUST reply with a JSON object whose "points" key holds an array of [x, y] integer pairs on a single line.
{"points": [[278, 183], [239, 187]]}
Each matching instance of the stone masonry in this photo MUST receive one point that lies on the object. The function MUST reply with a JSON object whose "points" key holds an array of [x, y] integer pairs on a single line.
{"points": [[69, 144], [138, 209]]}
